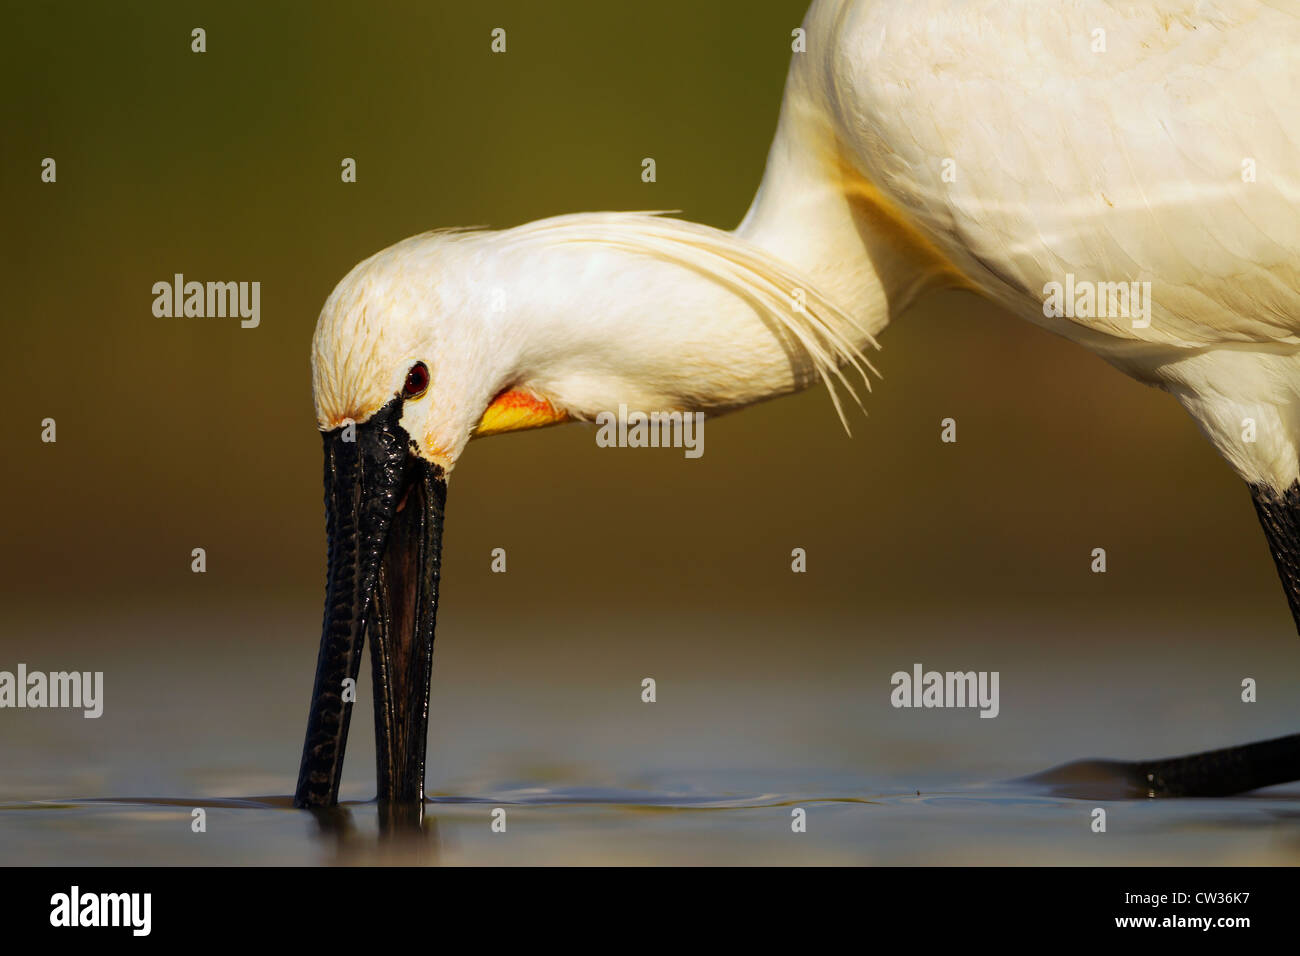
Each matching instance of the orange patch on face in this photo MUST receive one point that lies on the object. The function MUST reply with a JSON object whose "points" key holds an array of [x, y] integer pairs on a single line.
{"points": [[514, 410]]}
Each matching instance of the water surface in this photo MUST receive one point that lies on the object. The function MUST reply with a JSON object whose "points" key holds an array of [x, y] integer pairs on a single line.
{"points": [[201, 711]]}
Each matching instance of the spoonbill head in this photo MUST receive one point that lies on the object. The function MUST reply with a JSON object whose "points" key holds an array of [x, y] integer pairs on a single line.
{"points": [[453, 335]]}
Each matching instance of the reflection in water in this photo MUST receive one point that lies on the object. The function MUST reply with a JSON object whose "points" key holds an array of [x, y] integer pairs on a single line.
{"points": [[403, 834], [588, 774], [407, 835], [1014, 822], [334, 822]]}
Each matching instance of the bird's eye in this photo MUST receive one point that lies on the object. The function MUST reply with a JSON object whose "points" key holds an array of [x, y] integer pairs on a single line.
{"points": [[417, 380]]}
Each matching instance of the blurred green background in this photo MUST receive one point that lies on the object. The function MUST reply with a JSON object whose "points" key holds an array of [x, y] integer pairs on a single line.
{"points": [[183, 433], [176, 433]]}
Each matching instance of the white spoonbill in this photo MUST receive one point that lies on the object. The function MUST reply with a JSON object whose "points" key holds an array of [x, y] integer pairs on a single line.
{"points": [[1124, 175]]}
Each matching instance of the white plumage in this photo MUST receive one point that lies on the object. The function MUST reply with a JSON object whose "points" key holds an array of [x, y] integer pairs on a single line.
{"points": [[1015, 148], [993, 145], [1115, 165]]}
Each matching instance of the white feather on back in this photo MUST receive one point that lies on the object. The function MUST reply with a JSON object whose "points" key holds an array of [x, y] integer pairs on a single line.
{"points": [[1115, 163]]}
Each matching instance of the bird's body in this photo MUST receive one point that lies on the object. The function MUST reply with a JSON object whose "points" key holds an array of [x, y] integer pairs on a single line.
{"points": [[1022, 147], [927, 144], [1025, 151]]}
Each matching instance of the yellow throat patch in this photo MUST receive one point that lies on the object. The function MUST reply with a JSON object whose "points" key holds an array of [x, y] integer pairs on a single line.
{"points": [[515, 410]]}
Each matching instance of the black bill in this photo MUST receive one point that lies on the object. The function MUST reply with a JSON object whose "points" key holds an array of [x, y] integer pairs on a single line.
{"points": [[384, 510]]}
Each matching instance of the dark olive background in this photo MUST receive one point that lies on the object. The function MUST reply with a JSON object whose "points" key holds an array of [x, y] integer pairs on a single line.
{"points": [[183, 433]]}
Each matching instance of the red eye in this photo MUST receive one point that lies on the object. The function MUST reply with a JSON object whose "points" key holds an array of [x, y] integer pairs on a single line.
{"points": [[417, 380]]}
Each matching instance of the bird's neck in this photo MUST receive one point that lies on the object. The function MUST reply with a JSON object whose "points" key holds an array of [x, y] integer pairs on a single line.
{"points": [[660, 314], [610, 310], [819, 213]]}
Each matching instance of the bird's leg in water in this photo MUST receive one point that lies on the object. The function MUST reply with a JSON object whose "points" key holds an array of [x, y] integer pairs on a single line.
{"points": [[1213, 773], [1279, 513]]}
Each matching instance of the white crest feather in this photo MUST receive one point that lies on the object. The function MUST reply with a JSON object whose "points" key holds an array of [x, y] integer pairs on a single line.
{"points": [[822, 329]]}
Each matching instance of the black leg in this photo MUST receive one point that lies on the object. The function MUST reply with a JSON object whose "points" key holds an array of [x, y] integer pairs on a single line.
{"points": [[1213, 773], [1219, 773]]}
